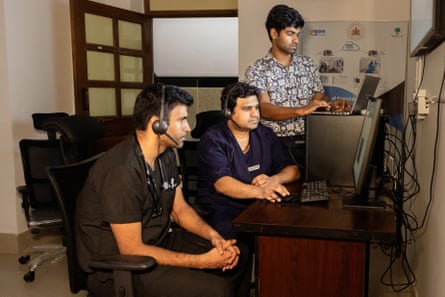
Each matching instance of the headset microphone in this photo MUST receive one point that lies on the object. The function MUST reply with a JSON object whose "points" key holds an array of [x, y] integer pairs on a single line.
{"points": [[171, 138], [160, 126]]}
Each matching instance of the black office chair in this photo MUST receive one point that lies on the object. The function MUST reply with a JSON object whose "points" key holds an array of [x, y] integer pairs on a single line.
{"points": [[38, 200], [188, 166], [188, 158], [67, 182], [78, 136], [204, 120]]}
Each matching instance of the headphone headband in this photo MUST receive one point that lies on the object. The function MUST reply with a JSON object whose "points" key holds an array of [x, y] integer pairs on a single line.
{"points": [[161, 126], [226, 112]]}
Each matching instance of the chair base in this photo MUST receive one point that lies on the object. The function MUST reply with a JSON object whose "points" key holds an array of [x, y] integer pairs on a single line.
{"points": [[48, 252]]}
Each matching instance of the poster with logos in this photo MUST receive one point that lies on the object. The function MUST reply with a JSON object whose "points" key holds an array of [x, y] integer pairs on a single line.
{"points": [[347, 51]]}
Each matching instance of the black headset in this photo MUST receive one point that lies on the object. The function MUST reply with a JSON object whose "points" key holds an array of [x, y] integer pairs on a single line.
{"points": [[161, 126]]}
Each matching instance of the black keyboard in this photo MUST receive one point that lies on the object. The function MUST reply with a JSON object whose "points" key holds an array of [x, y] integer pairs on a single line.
{"points": [[312, 191]]}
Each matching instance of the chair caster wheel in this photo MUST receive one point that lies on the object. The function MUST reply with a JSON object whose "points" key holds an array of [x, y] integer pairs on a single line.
{"points": [[24, 259], [29, 277]]}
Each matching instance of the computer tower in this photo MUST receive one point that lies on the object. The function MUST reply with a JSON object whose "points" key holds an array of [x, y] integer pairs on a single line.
{"points": [[331, 144]]}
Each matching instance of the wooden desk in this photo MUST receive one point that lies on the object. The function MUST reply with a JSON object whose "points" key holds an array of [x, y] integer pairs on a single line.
{"points": [[313, 250]]}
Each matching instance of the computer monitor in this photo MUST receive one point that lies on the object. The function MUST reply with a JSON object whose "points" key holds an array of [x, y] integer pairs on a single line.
{"points": [[363, 170], [331, 142]]}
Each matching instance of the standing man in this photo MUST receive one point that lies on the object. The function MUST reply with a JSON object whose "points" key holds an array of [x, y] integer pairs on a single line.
{"points": [[129, 201], [240, 161], [290, 84]]}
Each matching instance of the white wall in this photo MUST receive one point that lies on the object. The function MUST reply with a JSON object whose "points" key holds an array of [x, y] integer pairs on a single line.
{"points": [[195, 47]]}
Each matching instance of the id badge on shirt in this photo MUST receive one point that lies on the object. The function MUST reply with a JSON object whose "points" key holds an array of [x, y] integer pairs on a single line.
{"points": [[253, 168]]}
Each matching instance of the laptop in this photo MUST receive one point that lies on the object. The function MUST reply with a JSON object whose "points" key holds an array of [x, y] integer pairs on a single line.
{"points": [[367, 90]]}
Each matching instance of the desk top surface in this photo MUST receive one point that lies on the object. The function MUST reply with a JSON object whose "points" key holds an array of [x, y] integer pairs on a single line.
{"points": [[327, 220]]}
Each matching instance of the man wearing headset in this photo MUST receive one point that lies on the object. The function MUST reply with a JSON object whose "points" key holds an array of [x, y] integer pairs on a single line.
{"points": [[240, 160], [128, 203]]}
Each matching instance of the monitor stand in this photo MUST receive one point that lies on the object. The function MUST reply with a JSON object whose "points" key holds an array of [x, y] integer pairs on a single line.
{"points": [[368, 199], [368, 195]]}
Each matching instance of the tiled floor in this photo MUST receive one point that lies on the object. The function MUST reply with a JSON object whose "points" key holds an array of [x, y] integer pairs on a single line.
{"points": [[51, 280]]}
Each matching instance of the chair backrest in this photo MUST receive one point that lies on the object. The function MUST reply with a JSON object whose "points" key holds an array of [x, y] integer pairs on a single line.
{"points": [[204, 120], [67, 182], [39, 120], [188, 164], [36, 155], [78, 136]]}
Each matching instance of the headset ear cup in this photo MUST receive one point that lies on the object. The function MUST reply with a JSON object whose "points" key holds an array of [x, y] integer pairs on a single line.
{"points": [[160, 127], [226, 113]]}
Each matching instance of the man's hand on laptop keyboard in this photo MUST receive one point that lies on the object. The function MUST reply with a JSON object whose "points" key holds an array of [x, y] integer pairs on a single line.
{"points": [[314, 105], [340, 105]]}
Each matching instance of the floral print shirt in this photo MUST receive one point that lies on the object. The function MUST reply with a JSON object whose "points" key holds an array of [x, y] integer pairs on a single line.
{"points": [[291, 87]]}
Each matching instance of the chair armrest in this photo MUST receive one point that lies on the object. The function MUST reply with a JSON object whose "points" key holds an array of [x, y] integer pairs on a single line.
{"points": [[122, 267], [123, 262], [23, 189]]}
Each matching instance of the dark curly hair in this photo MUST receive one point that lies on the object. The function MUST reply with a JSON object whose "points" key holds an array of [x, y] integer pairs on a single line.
{"points": [[282, 16], [148, 103], [232, 92]]}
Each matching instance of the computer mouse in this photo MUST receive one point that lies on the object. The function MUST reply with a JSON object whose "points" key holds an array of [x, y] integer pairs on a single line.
{"points": [[290, 198]]}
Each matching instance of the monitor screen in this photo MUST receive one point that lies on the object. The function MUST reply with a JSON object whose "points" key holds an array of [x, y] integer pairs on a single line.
{"points": [[427, 26], [331, 142], [363, 171]]}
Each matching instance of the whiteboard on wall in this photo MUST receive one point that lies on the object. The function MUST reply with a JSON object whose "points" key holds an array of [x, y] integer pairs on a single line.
{"points": [[195, 46]]}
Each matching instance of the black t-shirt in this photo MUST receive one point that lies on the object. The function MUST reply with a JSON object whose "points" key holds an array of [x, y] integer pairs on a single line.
{"points": [[117, 192]]}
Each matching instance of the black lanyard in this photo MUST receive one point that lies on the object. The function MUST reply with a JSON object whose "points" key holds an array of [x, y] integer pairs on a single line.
{"points": [[154, 191]]}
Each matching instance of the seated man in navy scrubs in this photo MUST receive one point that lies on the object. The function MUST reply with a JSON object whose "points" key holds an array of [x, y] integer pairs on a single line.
{"points": [[240, 160]]}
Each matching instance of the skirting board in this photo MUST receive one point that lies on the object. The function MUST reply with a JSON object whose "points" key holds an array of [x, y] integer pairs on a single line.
{"points": [[14, 243]]}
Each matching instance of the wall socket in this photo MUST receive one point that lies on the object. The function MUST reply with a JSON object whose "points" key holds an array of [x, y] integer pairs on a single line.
{"points": [[422, 103]]}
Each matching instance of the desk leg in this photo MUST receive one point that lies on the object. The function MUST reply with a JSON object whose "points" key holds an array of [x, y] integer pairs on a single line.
{"points": [[292, 267]]}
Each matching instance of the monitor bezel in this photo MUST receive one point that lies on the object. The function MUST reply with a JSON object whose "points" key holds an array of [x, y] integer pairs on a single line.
{"points": [[365, 147]]}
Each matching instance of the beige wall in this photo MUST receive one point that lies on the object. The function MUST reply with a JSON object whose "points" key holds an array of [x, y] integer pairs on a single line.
{"points": [[36, 76], [429, 245], [8, 219]]}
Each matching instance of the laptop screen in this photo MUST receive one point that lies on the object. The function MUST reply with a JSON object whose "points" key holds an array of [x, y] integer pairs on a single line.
{"points": [[367, 90]]}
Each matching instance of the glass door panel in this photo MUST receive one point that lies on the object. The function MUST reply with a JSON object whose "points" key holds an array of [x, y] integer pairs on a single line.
{"points": [[100, 66], [102, 101], [131, 69], [98, 29], [128, 98], [130, 35]]}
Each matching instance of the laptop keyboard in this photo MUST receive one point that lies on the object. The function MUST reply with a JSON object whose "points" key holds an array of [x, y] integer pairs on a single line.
{"points": [[312, 191]]}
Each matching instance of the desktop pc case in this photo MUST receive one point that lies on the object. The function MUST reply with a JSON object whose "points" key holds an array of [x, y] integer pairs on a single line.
{"points": [[331, 144]]}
